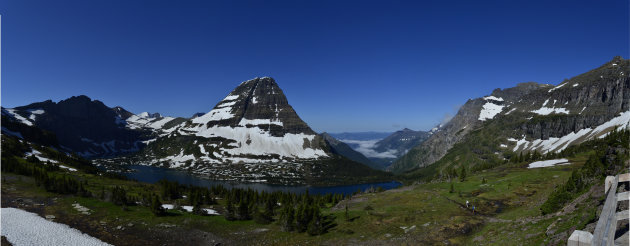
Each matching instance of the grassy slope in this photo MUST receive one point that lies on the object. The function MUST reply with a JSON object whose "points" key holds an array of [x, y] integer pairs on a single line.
{"points": [[508, 211], [512, 193]]}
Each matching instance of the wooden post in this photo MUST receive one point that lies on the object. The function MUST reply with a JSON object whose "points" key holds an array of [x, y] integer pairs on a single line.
{"points": [[604, 233], [608, 182]]}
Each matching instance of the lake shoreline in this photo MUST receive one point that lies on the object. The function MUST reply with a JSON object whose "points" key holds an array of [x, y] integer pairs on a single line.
{"points": [[152, 174]]}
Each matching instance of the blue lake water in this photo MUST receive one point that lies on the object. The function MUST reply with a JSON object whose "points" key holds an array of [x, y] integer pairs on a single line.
{"points": [[151, 174]]}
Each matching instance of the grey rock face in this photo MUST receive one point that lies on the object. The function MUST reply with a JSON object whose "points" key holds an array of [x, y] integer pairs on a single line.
{"points": [[262, 98], [535, 111]]}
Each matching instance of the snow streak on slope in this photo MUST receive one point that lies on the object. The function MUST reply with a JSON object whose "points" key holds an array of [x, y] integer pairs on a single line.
{"points": [[557, 87], [18, 117], [559, 144], [24, 228], [221, 112], [546, 111]]}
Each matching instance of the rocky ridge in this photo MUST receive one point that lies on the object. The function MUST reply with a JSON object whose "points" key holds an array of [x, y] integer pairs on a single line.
{"points": [[536, 117]]}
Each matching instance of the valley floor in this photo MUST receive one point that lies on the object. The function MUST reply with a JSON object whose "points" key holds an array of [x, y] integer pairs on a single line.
{"points": [[506, 213]]}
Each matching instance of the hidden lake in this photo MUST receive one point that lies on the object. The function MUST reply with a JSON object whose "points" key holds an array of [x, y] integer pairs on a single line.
{"points": [[151, 174]]}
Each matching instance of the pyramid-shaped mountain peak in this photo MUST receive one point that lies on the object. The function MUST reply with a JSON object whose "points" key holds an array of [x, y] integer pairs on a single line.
{"points": [[256, 103]]}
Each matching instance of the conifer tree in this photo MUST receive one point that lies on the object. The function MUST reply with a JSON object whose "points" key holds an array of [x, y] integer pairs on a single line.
{"points": [[462, 174], [243, 210], [286, 218], [315, 226], [156, 206], [229, 209]]}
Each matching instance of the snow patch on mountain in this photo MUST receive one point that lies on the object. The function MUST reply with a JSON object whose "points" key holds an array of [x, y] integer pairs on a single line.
{"points": [[231, 97], [547, 111], [12, 112], [548, 163], [215, 114], [39, 156], [493, 98], [559, 144], [511, 110], [178, 160], [34, 113], [256, 141], [582, 110], [144, 120], [245, 122], [489, 110], [557, 87]]}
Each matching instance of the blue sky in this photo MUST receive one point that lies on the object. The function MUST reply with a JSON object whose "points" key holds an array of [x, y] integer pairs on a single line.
{"points": [[344, 65]]}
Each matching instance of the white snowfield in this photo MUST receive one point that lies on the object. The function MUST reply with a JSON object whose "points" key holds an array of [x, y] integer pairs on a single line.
{"points": [[215, 114], [18, 117], [546, 111], [25, 228], [548, 163], [559, 144], [34, 113], [39, 156], [245, 122], [493, 98], [257, 141], [68, 168], [489, 110], [142, 120]]}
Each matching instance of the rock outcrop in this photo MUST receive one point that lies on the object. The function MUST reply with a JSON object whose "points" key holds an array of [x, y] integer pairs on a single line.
{"points": [[536, 117]]}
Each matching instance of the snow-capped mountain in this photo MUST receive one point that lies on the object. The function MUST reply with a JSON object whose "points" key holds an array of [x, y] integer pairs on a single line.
{"points": [[532, 117], [253, 132], [252, 135], [253, 124]]}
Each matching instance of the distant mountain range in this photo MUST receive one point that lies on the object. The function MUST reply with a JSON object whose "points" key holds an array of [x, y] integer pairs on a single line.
{"points": [[362, 136], [253, 135], [381, 148]]}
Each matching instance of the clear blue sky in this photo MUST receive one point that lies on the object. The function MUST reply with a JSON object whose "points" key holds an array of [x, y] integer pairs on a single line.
{"points": [[344, 65]]}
